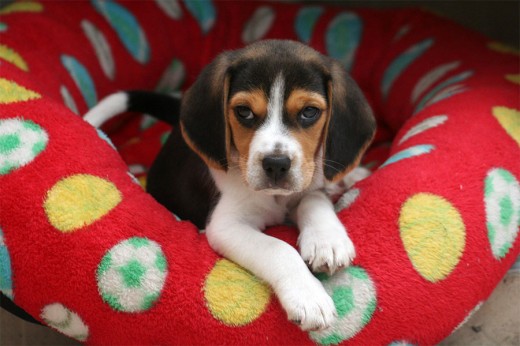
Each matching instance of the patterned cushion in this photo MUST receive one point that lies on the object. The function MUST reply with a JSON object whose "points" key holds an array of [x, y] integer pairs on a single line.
{"points": [[86, 251]]}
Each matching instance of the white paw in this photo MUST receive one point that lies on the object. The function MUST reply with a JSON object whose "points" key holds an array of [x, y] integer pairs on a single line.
{"points": [[327, 250], [307, 303]]}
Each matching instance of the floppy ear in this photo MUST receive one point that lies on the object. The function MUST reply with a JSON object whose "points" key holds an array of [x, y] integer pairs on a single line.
{"points": [[351, 125], [203, 121]]}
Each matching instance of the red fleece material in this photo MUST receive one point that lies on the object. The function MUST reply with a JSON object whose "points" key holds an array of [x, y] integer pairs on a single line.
{"points": [[451, 165]]}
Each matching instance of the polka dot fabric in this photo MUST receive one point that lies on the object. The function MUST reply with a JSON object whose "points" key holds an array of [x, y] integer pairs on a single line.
{"points": [[88, 253]]}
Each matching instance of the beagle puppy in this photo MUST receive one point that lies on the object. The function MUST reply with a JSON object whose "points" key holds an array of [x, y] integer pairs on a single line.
{"points": [[264, 132]]}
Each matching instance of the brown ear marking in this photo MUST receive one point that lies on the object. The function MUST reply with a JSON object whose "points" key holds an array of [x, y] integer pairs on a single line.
{"points": [[350, 128], [203, 121]]}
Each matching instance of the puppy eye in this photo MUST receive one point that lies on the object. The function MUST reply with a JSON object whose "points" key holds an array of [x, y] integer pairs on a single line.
{"points": [[310, 112], [244, 112], [309, 115]]}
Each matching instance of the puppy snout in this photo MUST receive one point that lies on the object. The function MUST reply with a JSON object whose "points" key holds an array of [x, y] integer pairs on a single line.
{"points": [[276, 167]]}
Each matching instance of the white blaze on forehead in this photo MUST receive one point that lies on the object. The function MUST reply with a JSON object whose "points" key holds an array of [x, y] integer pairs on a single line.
{"points": [[273, 135], [274, 138], [275, 104]]}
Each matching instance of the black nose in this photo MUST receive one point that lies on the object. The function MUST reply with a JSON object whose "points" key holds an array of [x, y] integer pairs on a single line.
{"points": [[276, 166]]}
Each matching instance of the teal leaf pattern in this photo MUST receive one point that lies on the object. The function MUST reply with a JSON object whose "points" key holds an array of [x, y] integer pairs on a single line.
{"points": [[305, 21], [204, 12], [343, 37], [127, 28], [399, 64], [81, 77]]}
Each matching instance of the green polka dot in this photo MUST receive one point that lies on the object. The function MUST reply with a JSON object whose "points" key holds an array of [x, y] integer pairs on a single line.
{"points": [[105, 264], [131, 276], [132, 273], [332, 339], [321, 276], [113, 301], [8, 143], [20, 142], [506, 210], [68, 322], [138, 242], [160, 263], [358, 273], [354, 297], [369, 311], [502, 206], [491, 232], [343, 300], [149, 300], [38, 147]]}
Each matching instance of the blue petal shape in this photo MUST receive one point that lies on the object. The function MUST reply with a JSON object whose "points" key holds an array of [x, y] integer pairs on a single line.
{"points": [[82, 78], [204, 12], [3, 27], [408, 153], [6, 277], [343, 37], [450, 81], [401, 63], [126, 27], [305, 21]]}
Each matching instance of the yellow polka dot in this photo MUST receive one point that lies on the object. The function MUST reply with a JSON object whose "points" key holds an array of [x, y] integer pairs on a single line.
{"points": [[513, 78], [233, 295], [503, 48], [13, 57], [433, 235], [22, 6], [509, 118], [79, 200], [11, 92]]}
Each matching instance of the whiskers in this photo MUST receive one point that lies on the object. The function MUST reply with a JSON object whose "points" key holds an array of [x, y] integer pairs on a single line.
{"points": [[334, 165]]}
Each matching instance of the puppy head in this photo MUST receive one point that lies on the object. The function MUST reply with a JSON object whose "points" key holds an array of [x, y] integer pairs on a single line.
{"points": [[280, 112]]}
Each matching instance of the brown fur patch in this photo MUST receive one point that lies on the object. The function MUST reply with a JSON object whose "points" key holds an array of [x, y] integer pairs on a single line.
{"points": [[242, 136], [255, 100], [312, 137], [300, 98]]}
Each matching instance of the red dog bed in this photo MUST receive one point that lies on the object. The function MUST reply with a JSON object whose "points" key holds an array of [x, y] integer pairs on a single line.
{"points": [[86, 251]]}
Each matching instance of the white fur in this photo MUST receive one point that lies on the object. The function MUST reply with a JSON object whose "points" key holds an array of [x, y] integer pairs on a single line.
{"points": [[235, 231], [245, 210], [273, 138], [109, 107], [323, 241]]}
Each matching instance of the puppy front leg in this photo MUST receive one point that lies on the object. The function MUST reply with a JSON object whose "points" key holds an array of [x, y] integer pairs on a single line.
{"points": [[323, 241], [279, 264]]}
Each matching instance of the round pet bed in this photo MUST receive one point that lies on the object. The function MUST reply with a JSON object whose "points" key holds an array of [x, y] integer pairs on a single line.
{"points": [[84, 250]]}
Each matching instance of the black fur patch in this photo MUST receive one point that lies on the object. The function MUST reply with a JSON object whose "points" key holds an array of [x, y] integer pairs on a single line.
{"points": [[162, 106], [351, 127]]}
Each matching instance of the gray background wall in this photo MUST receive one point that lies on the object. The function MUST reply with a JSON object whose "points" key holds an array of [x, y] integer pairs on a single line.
{"points": [[497, 19]]}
